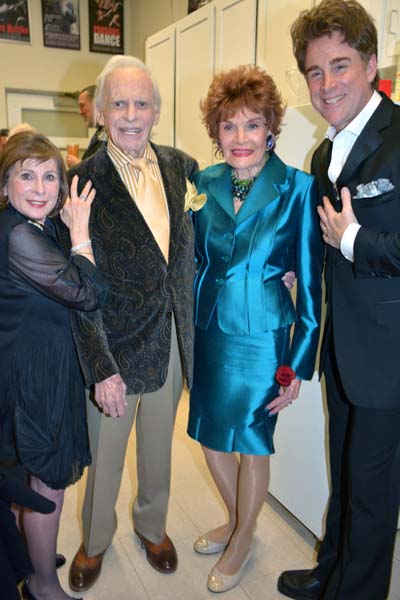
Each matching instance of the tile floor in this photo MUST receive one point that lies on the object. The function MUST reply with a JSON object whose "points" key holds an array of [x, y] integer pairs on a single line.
{"points": [[281, 541]]}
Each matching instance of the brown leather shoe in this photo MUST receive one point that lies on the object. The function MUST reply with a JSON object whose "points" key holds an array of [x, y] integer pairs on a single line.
{"points": [[162, 557], [84, 570]]}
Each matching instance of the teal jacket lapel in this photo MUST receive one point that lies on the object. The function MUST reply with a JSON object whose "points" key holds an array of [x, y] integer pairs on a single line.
{"points": [[270, 184], [221, 189]]}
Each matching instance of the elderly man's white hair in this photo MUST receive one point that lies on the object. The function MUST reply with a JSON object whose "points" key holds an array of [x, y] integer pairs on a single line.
{"points": [[121, 61]]}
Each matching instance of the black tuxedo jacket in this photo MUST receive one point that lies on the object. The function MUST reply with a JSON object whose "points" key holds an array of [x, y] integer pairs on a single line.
{"points": [[132, 332], [96, 142], [363, 310]]}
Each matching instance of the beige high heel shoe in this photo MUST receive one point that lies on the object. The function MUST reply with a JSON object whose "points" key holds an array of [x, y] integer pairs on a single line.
{"points": [[219, 582], [205, 545]]}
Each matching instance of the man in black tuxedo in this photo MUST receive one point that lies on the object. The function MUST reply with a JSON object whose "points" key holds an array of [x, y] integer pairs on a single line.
{"points": [[358, 171], [138, 350]]}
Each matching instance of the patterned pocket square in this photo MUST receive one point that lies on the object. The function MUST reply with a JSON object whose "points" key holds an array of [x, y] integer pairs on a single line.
{"points": [[374, 188]]}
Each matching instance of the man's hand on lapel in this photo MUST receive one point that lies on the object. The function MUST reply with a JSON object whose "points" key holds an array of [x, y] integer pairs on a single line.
{"points": [[334, 224]]}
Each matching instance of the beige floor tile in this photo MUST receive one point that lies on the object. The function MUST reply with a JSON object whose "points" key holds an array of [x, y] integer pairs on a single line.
{"points": [[397, 547], [394, 592], [281, 542], [118, 579], [263, 588], [189, 581]]}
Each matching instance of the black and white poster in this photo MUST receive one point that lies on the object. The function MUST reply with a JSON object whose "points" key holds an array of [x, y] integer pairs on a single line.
{"points": [[61, 27], [106, 23]]}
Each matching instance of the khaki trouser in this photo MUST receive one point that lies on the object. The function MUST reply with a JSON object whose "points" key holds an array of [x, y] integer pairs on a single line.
{"points": [[155, 417]]}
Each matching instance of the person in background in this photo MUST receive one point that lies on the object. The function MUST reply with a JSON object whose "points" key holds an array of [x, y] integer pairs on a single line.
{"points": [[86, 105], [21, 127], [357, 169], [3, 138], [42, 403], [88, 111], [259, 222], [137, 351]]}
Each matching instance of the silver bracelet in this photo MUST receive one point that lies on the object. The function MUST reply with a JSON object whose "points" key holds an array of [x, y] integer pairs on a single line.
{"points": [[78, 247]]}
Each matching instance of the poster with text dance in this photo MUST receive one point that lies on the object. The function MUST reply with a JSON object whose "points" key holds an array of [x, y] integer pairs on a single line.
{"points": [[106, 22], [61, 27], [14, 21]]}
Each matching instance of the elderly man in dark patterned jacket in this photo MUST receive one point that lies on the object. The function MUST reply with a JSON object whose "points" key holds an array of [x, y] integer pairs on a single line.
{"points": [[137, 351]]}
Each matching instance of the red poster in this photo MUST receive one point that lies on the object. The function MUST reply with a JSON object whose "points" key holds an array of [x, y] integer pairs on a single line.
{"points": [[14, 21], [106, 22]]}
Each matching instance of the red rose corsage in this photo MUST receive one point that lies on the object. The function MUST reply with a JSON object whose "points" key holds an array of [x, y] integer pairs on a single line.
{"points": [[285, 375]]}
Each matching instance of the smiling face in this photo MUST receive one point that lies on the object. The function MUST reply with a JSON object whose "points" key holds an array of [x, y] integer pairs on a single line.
{"points": [[243, 142], [129, 111], [32, 188], [339, 81]]}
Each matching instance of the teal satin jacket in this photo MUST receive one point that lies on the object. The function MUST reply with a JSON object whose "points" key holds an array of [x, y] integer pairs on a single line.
{"points": [[242, 258]]}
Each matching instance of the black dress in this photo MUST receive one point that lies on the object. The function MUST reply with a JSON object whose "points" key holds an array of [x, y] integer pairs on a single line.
{"points": [[42, 400]]}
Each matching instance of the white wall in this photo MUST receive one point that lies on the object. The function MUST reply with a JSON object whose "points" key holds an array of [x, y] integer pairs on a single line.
{"points": [[34, 67]]}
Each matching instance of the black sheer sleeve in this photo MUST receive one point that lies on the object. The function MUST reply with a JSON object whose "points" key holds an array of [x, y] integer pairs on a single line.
{"points": [[37, 260]]}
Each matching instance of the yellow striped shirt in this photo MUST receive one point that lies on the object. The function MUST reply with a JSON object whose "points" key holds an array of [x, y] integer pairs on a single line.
{"points": [[129, 174]]}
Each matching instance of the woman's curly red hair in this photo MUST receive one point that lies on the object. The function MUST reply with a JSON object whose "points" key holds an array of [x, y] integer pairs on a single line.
{"points": [[243, 87]]}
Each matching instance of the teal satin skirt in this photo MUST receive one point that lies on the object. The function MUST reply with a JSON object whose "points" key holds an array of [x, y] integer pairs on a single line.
{"points": [[234, 380]]}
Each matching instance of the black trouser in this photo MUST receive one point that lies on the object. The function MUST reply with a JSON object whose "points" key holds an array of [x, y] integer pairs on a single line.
{"points": [[355, 558]]}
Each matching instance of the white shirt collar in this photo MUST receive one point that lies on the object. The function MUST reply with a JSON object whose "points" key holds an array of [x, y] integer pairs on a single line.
{"points": [[358, 123]]}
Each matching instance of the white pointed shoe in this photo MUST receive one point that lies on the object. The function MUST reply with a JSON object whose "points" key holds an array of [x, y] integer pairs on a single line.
{"points": [[205, 545], [219, 582]]}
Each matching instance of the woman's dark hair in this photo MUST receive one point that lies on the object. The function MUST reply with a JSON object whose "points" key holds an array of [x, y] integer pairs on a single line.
{"points": [[29, 145]]}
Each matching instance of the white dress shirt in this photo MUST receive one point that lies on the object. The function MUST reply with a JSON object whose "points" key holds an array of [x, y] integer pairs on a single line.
{"points": [[342, 144]]}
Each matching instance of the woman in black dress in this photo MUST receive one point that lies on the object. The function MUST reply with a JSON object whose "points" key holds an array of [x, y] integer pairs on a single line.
{"points": [[42, 403]]}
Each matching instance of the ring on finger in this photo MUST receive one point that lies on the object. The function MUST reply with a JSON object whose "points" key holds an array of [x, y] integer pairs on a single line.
{"points": [[82, 197]]}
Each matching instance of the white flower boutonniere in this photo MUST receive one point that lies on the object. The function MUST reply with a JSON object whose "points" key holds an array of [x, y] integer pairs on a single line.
{"points": [[193, 200]]}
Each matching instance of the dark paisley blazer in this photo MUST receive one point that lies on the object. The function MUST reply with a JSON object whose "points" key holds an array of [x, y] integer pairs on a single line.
{"points": [[132, 333]]}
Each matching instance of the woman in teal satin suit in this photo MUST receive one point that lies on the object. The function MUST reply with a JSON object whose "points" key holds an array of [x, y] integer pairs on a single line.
{"points": [[259, 222]]}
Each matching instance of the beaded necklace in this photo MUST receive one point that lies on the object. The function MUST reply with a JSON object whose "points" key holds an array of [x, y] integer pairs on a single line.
{"points": [[242, 187]]}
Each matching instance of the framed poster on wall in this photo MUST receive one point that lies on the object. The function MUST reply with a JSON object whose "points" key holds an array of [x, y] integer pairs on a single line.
{"points": [[106, 26], [14, 21], [61, 27]]}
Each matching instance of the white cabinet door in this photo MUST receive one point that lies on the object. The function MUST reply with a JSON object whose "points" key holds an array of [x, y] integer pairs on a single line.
{"points": [[235, 33], [386, 14], [194, 72], [160, 58], [274, 46], [299, 473], [377, 10], [391, 33]]}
